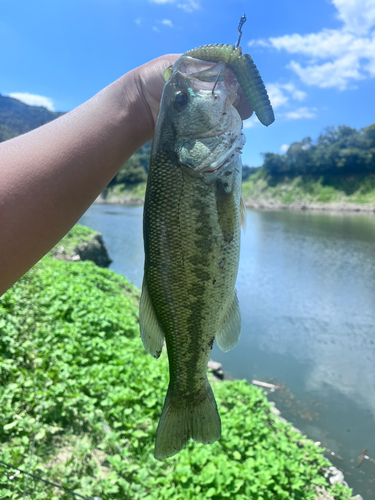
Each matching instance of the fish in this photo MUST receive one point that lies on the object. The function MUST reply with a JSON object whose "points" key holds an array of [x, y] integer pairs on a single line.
{"points": [[192, 221]]}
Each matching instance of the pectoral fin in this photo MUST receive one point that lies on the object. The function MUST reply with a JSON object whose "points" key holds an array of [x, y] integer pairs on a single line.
{"points": [[230, 331], [151, 334]]}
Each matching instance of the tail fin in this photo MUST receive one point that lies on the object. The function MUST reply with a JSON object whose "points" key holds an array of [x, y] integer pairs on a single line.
{"points": [[179, 423]]}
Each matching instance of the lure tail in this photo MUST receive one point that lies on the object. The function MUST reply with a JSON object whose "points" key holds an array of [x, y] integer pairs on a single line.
{"points": [[244, 70], [181, 421]]}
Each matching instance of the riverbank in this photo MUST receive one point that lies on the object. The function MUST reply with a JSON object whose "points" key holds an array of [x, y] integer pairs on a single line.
{"points": [[261, 204], [332, 474], [77, 379], [267, 204], [328, 194], [353, 195]]}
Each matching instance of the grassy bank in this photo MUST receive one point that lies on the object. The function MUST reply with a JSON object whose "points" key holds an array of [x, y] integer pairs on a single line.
{"points": [[75, 377], [355, 193], [351, 192]]}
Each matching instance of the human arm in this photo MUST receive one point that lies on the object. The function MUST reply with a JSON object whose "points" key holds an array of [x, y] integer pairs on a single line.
{"points": [[50, 176]]}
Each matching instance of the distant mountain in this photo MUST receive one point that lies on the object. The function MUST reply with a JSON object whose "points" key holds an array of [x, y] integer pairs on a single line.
{"points": [[17, 118]]}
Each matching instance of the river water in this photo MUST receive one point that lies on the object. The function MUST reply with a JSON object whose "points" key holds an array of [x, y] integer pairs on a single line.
{"points": [[306, 286]]}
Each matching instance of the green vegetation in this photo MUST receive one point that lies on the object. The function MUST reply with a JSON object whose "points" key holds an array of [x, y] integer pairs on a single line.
{"points": [[74, 375], [341, 151], [17, 118], [78, 235], [338, 168], [129, 185], [128, 193], [134, 171], [304, 190]]}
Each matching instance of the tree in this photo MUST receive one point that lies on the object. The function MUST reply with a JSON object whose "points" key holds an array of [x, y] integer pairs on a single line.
{"points": [[132, 172]]}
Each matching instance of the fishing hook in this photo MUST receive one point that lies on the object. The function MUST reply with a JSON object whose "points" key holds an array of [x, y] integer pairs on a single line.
{"points": [[217, 79], [240, 24]]}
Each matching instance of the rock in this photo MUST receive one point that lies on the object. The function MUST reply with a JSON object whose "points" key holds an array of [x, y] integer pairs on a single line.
{"points": [[275, 411], [358, 497], [93, 248], [297, 430], [214, 365], [334, 475]]}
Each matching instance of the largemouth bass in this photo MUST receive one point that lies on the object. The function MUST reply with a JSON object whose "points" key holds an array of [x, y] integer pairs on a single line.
{"points": [[192, 217]]}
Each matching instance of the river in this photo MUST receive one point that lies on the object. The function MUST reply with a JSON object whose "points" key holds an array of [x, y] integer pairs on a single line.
{"points": [[306, 286]]}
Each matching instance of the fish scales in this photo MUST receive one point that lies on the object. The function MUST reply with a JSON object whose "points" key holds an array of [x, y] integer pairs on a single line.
{"points": [[192, 217], [190, 265]]}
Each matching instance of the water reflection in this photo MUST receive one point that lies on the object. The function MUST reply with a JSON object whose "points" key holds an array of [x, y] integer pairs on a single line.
{"points": [[310, 280]]}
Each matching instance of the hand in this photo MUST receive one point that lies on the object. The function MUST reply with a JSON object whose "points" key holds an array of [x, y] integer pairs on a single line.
{"points": [[151, 83]]}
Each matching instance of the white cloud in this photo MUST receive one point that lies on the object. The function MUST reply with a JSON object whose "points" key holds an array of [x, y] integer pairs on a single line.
{"points": [[187, 6], [326, 43], [337, 73], [299, 113], [284, 148], [276, 95], [156, 29], [167, 22], [138, 21], [295, 93], [285, 95], [281, 93], [357, 15], [33, 99], [251, 122], [335, 58], [260, 42]]}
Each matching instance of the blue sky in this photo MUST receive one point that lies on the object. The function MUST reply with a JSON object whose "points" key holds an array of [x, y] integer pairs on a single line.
{"points": [[317, 58]]}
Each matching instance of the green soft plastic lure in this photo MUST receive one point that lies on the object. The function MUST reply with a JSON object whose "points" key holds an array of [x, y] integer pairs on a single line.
{"points": [[244, 70]]}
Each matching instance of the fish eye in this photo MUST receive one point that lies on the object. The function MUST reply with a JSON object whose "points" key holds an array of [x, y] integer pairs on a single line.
{"points": [[180, 101]]}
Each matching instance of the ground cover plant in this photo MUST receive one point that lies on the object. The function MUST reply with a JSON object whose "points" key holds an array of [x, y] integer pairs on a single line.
{"points": [[76, 380], [78, 235]]}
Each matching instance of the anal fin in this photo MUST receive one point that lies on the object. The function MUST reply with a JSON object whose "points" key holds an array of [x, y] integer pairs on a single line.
{"points": [[229, 333], [151, 334]]}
